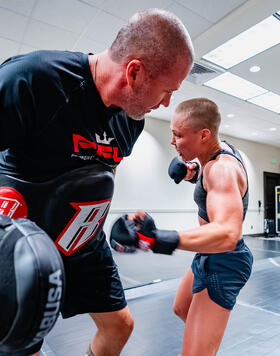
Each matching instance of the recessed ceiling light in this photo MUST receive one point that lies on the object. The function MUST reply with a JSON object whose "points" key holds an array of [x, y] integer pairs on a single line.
{"points": [[230, 115], [255, 40], [272, 129], [243, 89], [235, 86], [227, 126], [254, 133], [255, 69]]}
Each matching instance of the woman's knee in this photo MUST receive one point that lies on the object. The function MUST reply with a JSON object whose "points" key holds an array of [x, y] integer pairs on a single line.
{"points": [[180, 312]]}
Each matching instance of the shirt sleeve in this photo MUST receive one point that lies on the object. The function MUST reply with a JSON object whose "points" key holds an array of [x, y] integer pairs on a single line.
{"points": [[28, 98], [15, 105], [138, 128]]}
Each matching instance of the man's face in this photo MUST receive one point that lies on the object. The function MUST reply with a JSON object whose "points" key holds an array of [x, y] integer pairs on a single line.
{"points": [[155, 92], [184, 138]]}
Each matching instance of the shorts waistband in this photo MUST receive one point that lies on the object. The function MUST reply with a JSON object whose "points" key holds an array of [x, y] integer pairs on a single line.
{"points": [[239, 246]]}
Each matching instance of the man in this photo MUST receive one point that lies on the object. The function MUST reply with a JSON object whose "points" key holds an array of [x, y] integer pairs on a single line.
{"points": [[223, 262], [67, 120]]}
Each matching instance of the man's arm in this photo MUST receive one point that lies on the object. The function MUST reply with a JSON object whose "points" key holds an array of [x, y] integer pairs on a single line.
{"points": [[224, 209]]}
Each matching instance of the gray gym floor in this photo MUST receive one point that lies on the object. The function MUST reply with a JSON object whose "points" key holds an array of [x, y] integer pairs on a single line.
{"points": [[151, 281]]}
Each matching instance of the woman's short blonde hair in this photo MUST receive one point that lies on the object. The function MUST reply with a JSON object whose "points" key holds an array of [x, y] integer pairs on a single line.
{"points": [[201, 113]]}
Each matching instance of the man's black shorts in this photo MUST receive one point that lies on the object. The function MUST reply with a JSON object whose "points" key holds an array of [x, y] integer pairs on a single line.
{"points": [[93, 284]]}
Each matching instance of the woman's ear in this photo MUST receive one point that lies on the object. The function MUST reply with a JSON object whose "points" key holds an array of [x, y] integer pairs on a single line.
{"points": [[205, 135]]}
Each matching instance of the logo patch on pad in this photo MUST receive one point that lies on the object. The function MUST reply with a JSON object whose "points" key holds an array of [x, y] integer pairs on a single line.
{"points": [[12, 203], [83, 226]]}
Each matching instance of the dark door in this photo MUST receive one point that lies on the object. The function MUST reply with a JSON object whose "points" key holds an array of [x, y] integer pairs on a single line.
{"points": [[270, 181]]}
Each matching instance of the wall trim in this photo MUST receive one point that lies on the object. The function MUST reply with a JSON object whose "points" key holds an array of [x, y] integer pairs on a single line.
{"points": [[167, 211], [160, 211]]}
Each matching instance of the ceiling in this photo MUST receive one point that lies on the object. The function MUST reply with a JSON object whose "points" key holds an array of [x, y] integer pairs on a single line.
{"points": [[91, 25]]}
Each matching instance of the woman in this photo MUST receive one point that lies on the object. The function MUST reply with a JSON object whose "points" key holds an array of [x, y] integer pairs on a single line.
{"points": [[223, 262]]}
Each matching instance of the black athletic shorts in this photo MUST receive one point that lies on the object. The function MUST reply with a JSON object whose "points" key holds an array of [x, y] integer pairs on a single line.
{"points": [[26, 352], [223, 274], [93, 283]]}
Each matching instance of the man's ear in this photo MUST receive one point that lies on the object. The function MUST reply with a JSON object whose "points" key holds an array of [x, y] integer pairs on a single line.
{"points": [[135, 72]]}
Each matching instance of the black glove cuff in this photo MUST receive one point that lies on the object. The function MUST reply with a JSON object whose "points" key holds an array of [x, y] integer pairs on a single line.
{"points": [[195, 177], [166, 241]]}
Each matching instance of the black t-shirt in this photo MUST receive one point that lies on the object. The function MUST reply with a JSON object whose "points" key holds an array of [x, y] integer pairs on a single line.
{"points": [[52, 118]]}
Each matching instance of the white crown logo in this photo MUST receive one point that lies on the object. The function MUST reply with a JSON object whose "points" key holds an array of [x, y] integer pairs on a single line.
{"points": [[105, 140]]}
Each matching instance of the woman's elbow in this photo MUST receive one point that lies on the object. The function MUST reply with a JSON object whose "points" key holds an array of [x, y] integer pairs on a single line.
{"points": [[232, 238]]}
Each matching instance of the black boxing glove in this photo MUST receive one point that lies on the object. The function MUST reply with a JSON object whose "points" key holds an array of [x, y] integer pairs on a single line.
{"points": [[178, 169], [159, 241], [123, 236], [127, 235]]}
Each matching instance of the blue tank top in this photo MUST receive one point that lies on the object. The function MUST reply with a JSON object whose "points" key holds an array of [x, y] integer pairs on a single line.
{"points": [[200, 193]]}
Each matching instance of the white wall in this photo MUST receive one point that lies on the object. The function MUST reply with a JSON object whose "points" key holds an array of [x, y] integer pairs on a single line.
{"points": [[142, 181]]}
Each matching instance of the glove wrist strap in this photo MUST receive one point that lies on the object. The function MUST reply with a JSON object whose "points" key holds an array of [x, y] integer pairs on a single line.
{"points": [[145, 243], [166, 241]]}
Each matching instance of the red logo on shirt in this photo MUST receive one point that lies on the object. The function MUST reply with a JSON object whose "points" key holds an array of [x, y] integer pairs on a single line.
{"points": [[101, 150]]}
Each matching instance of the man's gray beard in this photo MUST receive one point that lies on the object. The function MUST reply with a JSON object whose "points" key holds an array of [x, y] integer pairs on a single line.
{"points": [[134, 114], [133, 106]]}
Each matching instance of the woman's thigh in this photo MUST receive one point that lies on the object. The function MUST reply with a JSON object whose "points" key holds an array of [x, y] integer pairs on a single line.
{"points": [[205, 326], [184, 296]]}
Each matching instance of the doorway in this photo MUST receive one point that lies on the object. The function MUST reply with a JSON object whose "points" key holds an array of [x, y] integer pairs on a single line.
{"points": [[270, 181]]}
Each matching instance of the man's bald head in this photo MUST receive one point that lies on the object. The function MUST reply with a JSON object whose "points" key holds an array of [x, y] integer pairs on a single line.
{"points": [[157, 38]]}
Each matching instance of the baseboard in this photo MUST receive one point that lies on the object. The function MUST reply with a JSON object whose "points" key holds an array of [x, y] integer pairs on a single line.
{"points": [[254, 235]]}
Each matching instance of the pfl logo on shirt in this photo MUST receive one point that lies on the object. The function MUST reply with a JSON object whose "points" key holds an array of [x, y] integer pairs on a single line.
{"points": [[101, 147], [105, 139]]}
